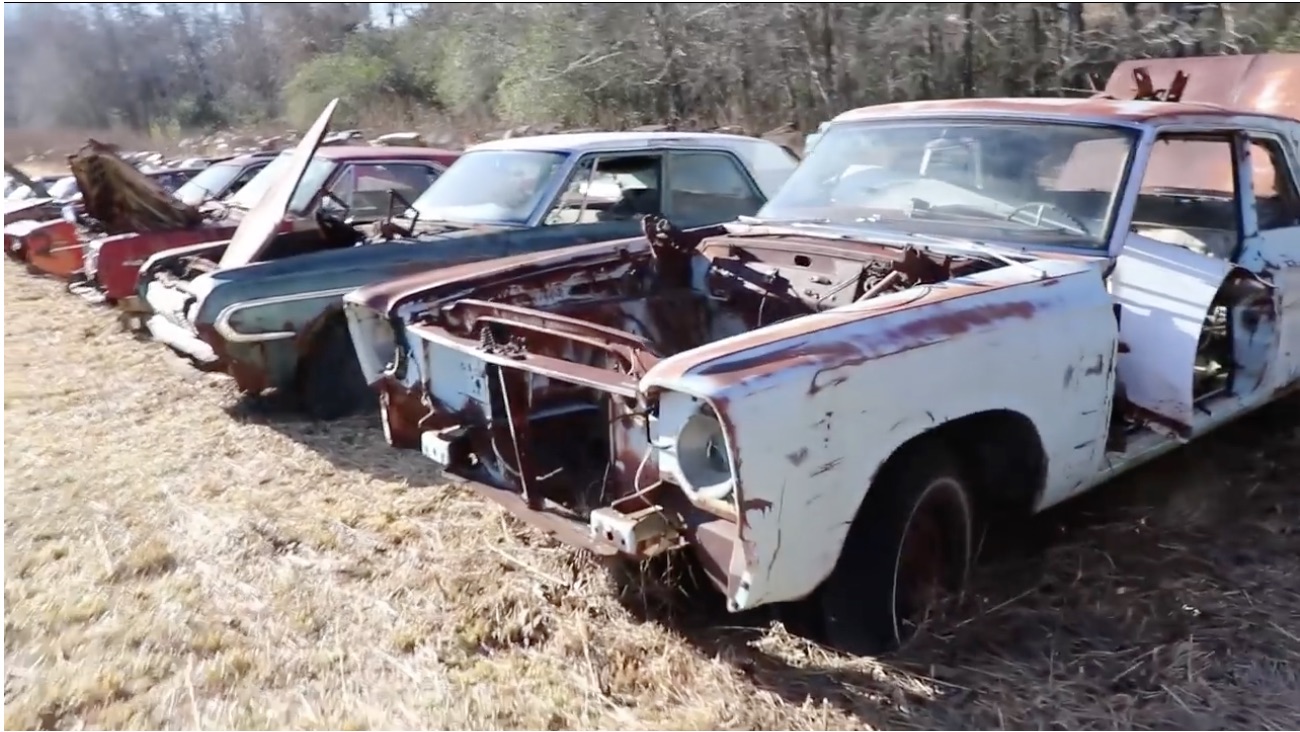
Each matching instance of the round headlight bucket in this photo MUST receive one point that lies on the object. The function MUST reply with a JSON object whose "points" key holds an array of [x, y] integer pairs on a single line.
{"points": [[702, 457]]}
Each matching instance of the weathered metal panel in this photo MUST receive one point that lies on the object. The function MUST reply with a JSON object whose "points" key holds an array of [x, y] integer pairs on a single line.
{"points": [[260, 224], [813, 413], [1265, 83], [1165, 292]]}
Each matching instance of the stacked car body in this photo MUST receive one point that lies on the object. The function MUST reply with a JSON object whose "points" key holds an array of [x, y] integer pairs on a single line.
{"points": [[815, 376]]}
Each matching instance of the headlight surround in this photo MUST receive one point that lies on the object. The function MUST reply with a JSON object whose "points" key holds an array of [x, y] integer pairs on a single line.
{"points": [[692, 447]]}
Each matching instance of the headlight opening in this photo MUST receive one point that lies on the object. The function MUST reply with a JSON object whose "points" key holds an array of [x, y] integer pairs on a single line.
{"points": [[703, 460]]}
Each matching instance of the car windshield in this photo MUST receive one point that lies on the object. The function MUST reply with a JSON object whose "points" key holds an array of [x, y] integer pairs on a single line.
{"points": [[318, 171], [210, 181], [491, 187], [1039, 182], [64, 188]]}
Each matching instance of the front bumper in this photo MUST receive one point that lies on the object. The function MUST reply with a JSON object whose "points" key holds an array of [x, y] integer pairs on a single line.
{"points": [[169, 324], [182, 340], [636, 527]]}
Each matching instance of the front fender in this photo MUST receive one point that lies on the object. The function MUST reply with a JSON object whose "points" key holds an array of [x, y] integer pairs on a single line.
{"points": [[161, 260], [122, 257], [266, 335], [54, 248], [814, 406]]}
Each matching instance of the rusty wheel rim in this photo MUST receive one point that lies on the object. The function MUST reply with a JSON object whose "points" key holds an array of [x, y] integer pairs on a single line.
{"points": [[927, 559]]}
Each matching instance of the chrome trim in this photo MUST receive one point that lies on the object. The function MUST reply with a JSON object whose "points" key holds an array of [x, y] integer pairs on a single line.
{"points": [[222, 322]]}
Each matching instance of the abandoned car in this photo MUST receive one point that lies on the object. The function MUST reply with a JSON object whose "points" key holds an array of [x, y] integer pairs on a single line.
{"points": [[270, 311], [1096, 280], [112, 264], [112, 197]]}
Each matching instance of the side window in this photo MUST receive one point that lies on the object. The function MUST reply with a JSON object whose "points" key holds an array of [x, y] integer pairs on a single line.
{"points": [[1277, 199], [709, 187], [1188, 194], [609, 188], [364, 186]]}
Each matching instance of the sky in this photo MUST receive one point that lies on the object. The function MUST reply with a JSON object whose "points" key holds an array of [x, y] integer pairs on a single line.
{"points": [[378, 11]]}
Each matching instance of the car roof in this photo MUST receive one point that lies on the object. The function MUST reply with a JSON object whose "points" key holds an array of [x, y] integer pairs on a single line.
{"points": [[1065, 108], [375, 152], [579, 142]]}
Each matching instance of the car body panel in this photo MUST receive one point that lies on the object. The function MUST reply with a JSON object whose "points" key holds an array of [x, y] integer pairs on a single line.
{"points": [[256, 318], [1183, 316]]}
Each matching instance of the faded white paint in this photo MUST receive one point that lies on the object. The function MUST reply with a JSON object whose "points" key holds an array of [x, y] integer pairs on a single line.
{"points": [[810, 440], [1165, 292], [858, 381]]}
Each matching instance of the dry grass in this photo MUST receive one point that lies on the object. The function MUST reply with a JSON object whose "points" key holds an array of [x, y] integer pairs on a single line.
{"points": [[174, 559]]}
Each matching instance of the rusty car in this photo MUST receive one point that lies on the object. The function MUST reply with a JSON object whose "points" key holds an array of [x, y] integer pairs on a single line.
{"points": [[111, 264], [269, 311], [1096, 281], [109, 197]]}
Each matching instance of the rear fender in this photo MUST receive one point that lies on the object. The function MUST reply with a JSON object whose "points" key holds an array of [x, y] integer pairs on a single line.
{"points": [[55, 248], [811, 417]]}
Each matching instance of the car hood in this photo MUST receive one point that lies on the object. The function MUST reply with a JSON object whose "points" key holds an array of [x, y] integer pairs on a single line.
{"points": [[122, 198], [22, 204], [374, 254], [259, 225], [386, 296]]}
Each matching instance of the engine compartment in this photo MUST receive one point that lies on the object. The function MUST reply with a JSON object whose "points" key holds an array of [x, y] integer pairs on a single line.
{"points": [[676, 297], [284, 245]]}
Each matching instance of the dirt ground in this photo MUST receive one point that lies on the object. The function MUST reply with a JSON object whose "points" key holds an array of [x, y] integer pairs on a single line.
{"points": [[178, 557]]}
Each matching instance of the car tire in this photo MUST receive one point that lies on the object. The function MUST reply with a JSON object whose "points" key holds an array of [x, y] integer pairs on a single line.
{"points": [[331, 384], [912, 532]]}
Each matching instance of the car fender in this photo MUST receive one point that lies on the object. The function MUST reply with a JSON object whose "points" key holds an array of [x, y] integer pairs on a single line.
{"points": [[813, 407]]}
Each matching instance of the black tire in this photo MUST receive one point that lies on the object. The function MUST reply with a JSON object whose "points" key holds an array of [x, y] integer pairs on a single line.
{"points": [[330, 382], [869, 604]]}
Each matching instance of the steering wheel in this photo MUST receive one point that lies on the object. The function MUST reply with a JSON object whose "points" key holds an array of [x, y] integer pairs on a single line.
{"points": [[1044, 205], [332, 225]]}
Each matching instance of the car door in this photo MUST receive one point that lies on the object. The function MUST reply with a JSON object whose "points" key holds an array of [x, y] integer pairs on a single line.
{"points": [[1270, 179], [708, 187]]}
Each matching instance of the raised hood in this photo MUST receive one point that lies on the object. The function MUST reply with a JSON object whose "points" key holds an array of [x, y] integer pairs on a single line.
{"points": [[122, 198], [259, 225], [38, 189]]}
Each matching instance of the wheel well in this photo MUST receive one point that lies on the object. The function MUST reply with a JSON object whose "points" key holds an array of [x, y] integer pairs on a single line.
{"points": [[1001, 452], [310, 336]]}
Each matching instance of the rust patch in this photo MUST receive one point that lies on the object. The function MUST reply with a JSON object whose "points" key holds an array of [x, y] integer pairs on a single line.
{"points": [[797, 457]]}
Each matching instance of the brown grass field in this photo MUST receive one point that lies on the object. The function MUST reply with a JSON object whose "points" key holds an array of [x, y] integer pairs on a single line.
{"points": [[175, 558]]}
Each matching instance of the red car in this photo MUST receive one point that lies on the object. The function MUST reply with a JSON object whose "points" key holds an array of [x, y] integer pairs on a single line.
{"points": [[118, 198], [360, 177]]}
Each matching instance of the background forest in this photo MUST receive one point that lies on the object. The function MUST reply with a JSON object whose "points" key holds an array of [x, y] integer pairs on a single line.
{"points": [[165, 69]]}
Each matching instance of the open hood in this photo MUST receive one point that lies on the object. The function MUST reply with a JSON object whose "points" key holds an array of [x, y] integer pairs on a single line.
{"points": [[38, 189], [259, 225], [122, 198]]}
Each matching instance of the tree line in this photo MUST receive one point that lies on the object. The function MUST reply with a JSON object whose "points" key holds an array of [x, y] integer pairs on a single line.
{"points": [[171, 67]]}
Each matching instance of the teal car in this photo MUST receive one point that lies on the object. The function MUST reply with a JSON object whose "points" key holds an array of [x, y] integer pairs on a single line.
{"points": [[266, 307]]}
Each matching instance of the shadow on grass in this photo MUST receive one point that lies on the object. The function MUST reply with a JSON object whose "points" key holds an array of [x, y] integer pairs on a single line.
{"points": [[1160, 600]]}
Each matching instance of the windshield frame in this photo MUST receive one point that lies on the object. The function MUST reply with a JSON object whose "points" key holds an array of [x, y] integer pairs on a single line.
{"points": [[1117, 208], [544, 196]]}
